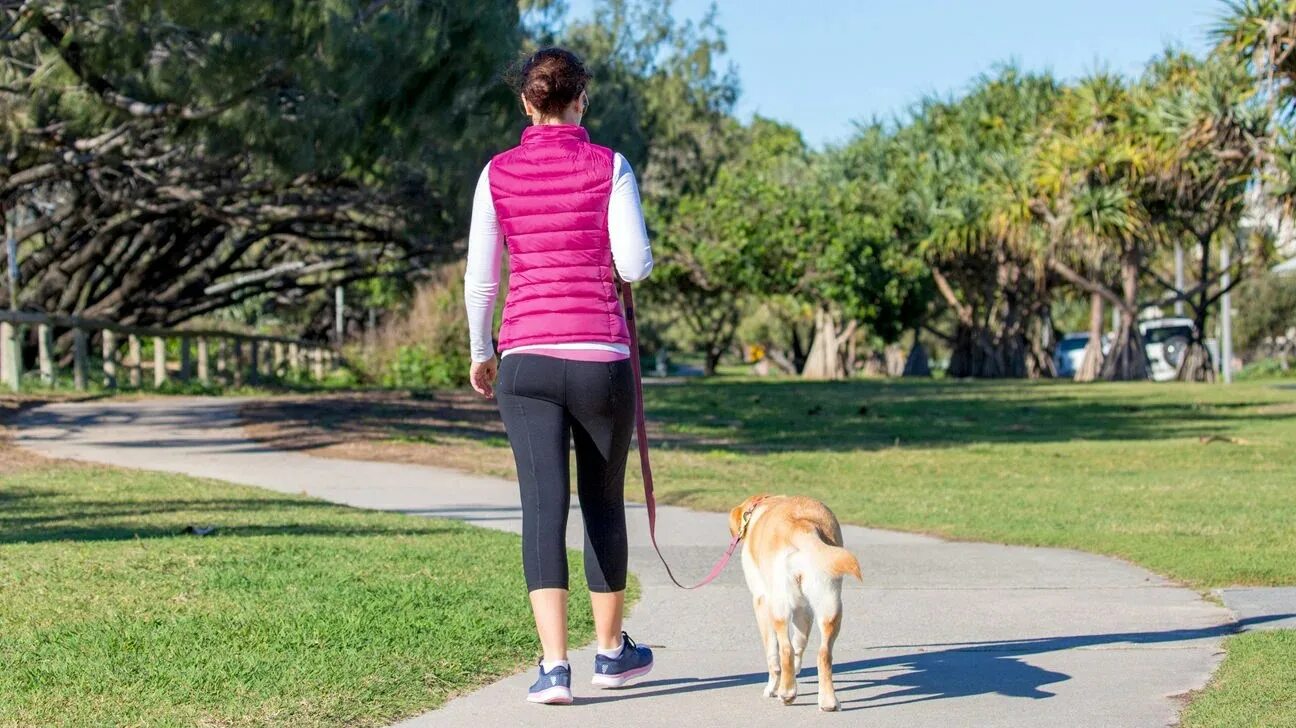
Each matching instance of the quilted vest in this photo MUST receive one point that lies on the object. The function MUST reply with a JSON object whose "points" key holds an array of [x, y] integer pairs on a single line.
{"points": [[551, 197]]}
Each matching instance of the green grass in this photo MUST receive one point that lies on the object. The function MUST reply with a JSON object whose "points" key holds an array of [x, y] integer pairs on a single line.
{"points": [[1192, 481], [294, 612], [1195, 482], [1256, 686]]}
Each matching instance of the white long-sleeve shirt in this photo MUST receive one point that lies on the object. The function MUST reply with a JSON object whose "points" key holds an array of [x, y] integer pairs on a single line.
{"points": [[631, 255]]}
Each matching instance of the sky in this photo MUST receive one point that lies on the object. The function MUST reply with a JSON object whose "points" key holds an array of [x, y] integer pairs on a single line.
{"points": [[822, 65]]}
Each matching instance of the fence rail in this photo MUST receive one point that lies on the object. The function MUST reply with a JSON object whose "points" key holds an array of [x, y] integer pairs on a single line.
{"points": [[227, 356]]}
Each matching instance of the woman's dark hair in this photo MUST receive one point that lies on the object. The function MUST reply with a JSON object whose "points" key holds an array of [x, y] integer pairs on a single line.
{"points": [[550, 79]]}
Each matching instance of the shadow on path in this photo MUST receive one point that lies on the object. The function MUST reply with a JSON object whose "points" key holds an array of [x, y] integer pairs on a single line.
{"points": [[959, 670]]}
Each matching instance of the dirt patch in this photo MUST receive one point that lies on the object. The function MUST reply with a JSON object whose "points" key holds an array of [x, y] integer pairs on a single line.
{"points": [[453, 429], [13, 458]]}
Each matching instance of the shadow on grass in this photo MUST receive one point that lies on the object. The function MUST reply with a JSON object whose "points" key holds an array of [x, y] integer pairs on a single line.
{"points": [[867, 415], [753, 416], [956, 671], [30, 515]]}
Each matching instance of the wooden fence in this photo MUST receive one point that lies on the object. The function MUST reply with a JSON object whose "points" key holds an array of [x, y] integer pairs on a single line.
{"points": [[221, 356]]}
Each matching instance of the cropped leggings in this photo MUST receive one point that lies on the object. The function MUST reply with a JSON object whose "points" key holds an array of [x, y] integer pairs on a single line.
{"points": [[547, 404]]}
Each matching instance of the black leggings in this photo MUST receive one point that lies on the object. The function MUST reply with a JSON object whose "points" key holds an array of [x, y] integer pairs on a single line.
{"points": [[546, 403]]}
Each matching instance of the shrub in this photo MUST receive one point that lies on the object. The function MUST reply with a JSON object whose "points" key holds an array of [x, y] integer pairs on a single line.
{"points": [[426, 345]]}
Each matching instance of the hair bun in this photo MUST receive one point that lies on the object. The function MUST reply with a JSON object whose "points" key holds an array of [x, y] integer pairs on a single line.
{"points": [[551, 79]]}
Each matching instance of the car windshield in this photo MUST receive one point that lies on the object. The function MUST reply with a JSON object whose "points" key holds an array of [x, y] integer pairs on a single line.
{"points": [[1072, 344], [1161, 335]]}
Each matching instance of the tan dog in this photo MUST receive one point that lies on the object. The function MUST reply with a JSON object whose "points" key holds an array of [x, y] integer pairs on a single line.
{"points": [[794, 562]]}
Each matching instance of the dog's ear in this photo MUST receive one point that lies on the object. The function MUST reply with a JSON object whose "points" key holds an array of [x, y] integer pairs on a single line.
{"points": [[735, 519]]}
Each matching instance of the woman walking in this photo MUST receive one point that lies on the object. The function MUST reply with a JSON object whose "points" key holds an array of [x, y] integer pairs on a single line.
{"points": [[568, 213]]}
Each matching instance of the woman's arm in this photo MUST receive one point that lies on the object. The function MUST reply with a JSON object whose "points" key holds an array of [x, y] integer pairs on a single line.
{"points": [[481, 279], [630, 250]]}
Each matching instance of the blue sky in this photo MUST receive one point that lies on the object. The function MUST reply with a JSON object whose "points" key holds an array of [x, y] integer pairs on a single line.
{"points": [[823, 64]]}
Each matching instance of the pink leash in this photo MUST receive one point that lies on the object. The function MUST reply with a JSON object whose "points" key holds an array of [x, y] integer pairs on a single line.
{"points": [[641, 434]]}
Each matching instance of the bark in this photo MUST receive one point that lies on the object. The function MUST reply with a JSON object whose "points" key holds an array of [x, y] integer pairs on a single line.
{"points": [[826, 358], [1127, 360], [1197, 365], [1092, 363]]}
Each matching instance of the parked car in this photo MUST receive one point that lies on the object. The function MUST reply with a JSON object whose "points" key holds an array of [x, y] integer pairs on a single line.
{"points": [[1165, 340], [1069, 353]]}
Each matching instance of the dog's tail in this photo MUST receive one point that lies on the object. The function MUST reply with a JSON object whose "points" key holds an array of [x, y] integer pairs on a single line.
{"points": [[840, 562], [833, 559]]}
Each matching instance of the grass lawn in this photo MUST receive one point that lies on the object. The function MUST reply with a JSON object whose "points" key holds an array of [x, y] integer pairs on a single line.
{"points": [[1256, 686], [1193, 481], [293, 612]]}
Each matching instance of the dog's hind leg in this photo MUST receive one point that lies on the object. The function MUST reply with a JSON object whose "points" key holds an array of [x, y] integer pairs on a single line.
{"points": [[829, 626], [770, 641], [787, 684], [802, 619]]}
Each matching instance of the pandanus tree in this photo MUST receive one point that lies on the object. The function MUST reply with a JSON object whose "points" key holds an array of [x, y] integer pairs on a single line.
{"points": [[1089, 168], [965, 197], [1208, 132]]}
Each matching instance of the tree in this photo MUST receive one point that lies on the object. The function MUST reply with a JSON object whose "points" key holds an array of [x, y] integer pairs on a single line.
{"points": [[961, 173], [1089, 175], [169, 160], [1200, 115]]}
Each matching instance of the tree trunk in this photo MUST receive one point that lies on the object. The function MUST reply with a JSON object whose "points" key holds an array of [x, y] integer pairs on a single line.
{"points": [[1127, 360], [1092, 363], [1197, 364], [918, 364], [825, 359]]}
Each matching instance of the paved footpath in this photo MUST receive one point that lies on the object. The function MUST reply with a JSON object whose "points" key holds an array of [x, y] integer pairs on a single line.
{"points": [[940, 633]]}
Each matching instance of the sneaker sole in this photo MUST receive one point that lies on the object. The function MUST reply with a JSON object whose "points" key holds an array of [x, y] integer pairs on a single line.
{"points": [[621, 680], [556, 695]]}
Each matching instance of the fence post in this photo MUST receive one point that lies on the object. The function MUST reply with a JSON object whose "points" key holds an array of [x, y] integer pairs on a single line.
{"points": [[204, 362], [110, 359], [317, 364], [278, 359], [238, 362], [135, 365], [186, 364], [254, 354], [294, 358], [45, 353], [80, 360], [159, 361], [10, 356]]}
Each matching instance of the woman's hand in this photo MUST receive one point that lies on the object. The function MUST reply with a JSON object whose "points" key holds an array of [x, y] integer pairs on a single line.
{"points": [[482, 375]]}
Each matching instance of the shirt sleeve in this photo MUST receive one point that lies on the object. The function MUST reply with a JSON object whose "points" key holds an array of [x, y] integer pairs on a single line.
{"points": [[482, 276], [630, 249]]}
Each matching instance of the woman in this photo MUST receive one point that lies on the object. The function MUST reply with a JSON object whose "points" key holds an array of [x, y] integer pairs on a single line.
{"points": [[568, 212]]}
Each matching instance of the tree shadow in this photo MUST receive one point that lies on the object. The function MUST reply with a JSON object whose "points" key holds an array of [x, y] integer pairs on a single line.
{"points": [[317, 422], [869, 415], [941, 671]]}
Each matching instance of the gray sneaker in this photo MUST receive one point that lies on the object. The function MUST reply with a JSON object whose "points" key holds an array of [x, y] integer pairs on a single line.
{"points": [[614, 672], [553, 687]]}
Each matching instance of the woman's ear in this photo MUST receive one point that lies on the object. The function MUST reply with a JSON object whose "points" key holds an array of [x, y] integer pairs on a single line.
{"points": [[526, 105]]}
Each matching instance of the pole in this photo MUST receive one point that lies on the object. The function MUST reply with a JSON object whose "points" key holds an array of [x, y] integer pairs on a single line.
{"points": [[11, 254], [1179, 277], [339, 311], [1226, 315]]}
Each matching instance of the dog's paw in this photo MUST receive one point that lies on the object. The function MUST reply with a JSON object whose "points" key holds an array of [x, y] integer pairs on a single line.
{"points": [[771, 690], [787, 696], [828, 705]]}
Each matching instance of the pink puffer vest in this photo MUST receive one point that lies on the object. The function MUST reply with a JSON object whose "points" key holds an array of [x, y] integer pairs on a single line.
{"points": [[551, 197]]}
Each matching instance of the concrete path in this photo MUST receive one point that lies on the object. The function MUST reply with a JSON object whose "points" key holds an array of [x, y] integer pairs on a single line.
{"points": [[940, 633]]}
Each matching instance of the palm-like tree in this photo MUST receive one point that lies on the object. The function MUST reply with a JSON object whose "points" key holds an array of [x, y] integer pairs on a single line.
{"points": [[966, 181], [1090, 168]]}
